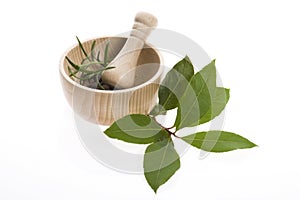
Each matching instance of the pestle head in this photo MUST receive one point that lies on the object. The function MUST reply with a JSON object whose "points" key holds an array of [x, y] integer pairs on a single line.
{"points": [[147, 19], [144, 23]]}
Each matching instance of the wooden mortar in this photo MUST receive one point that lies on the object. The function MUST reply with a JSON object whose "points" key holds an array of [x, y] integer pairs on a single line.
{"points": [[106, 106]]}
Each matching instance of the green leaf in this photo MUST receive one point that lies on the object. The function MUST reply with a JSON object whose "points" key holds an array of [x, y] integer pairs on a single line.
{"points": [[218, 141], [161, 161], [194, 103], [111, 67], [92, 50], [72, 64], [175, 83], [136, 128], [219, 99], [219, 96], [98, 56], [81, 47], [106, 54], [208, 74]]}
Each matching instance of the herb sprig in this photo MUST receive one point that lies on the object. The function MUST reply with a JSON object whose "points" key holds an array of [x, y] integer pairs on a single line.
{"points": [[198, 100], [90, 70]]}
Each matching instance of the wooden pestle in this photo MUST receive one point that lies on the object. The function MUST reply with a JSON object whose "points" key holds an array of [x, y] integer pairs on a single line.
{"points": [[123, 75]]}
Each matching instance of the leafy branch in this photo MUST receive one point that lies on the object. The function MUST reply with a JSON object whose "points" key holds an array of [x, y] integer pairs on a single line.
{"points": [[198, 100], [89, 71]]}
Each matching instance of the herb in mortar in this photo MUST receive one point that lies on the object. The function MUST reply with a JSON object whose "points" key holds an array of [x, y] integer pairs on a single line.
{"points": [[198, 100], [89, 71]]}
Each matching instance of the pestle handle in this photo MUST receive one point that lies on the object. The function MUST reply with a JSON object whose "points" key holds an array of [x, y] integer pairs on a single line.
{"points": [[123, 75]]}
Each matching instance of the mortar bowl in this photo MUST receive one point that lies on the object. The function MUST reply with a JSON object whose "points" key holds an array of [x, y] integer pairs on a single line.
{"points": [[106, 106]]}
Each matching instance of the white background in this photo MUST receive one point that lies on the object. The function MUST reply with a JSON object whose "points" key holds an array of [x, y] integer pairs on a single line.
{"points": [[257, 46]]}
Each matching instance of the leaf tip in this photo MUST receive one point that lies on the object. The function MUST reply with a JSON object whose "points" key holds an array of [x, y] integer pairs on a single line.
{"points": [[106, 131], [254, 145], [187, 59], [77, 38], [251, 144]]}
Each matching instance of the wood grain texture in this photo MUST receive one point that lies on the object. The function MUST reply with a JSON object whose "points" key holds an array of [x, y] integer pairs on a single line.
{"points": [[103, 106]]}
